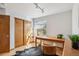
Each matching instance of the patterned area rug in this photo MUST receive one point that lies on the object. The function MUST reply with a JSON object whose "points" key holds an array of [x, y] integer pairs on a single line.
{"points": [[33, 51]]}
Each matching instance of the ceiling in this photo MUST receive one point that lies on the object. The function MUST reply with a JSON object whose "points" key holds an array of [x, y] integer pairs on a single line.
{"points": [[29, 10]]}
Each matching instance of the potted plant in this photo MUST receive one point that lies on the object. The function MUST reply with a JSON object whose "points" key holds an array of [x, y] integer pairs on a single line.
{"points": [[60, 36], [75, 41]]}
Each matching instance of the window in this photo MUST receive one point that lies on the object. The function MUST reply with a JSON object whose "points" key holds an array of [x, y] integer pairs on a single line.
{"points": [[40, 28]]}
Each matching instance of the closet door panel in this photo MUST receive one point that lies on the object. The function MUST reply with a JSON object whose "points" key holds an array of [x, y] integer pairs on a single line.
{"points": [[18, 32], [27, 31], [4, 33]]}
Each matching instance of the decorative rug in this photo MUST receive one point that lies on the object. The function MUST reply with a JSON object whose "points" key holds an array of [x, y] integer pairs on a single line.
{"points": [[33, 51]]}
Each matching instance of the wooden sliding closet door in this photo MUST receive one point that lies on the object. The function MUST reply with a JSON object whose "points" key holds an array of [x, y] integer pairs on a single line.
{"points": [[27, 31], [18, 32], [4, 33]]}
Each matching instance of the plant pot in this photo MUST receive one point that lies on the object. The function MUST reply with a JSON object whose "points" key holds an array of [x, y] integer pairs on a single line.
{"points": [[75, 45], [78, 43]]}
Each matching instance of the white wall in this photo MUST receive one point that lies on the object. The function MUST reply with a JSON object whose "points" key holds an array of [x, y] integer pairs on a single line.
{"points": [[12, 32], [60, 23], [2, 11], [75, 20]]}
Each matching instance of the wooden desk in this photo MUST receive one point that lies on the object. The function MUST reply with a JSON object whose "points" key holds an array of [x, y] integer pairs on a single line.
{"points": [[51, 47], [49, 39]]}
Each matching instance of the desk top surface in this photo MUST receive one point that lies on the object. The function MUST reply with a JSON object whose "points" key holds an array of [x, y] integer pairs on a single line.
{"points": [[50, 39]]}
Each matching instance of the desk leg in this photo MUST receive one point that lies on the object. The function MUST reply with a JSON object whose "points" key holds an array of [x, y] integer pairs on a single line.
{"points": [[40, 42], [35, 42]]}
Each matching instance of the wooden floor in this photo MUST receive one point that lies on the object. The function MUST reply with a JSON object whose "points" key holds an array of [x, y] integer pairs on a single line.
{"points": [[12, 52]]}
